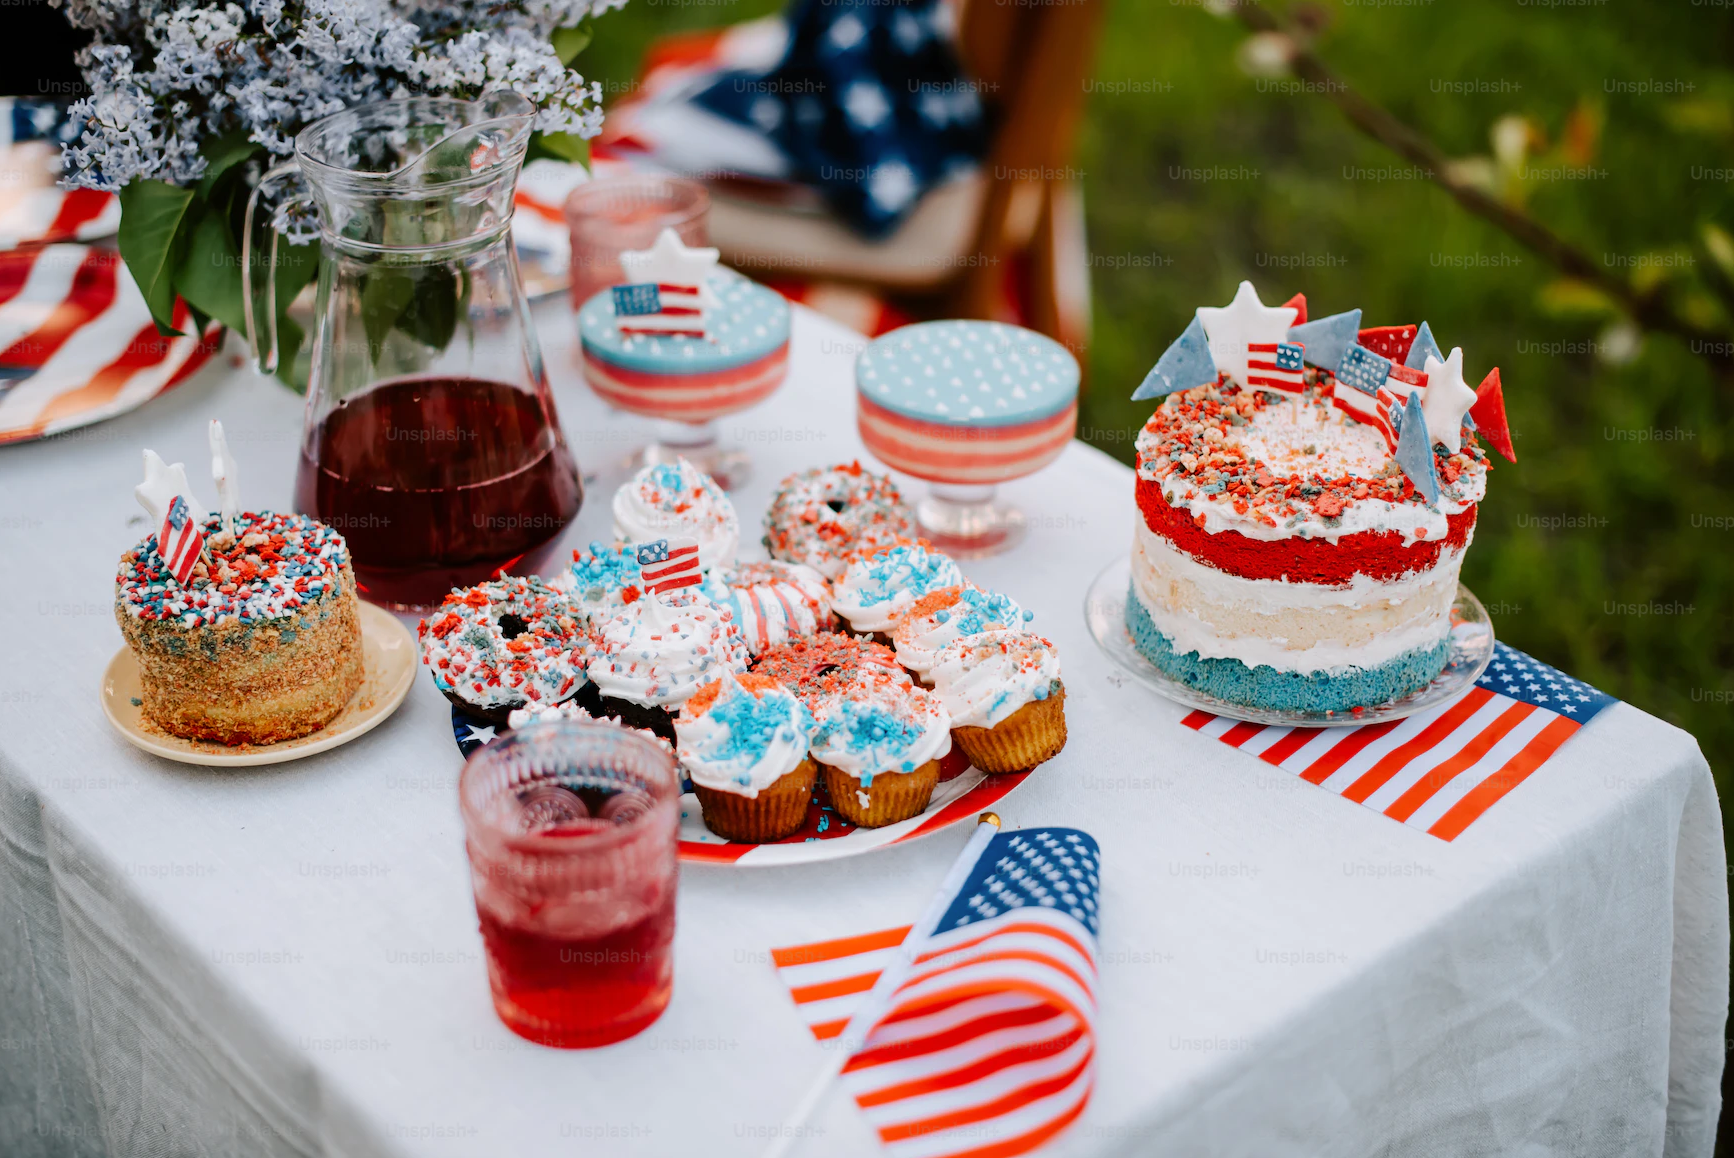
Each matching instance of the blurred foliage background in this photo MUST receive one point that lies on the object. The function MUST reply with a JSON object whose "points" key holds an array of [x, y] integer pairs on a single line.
{"points": [[1608, 549]]}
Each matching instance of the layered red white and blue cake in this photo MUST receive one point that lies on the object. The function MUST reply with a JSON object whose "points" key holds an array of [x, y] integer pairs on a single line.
{"points": [[1306, 492]]}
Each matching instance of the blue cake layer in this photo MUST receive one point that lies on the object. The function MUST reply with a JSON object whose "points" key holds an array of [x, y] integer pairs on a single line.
{"points": [[1265, 687]]}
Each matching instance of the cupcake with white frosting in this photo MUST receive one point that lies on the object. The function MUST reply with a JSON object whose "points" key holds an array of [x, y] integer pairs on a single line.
{"points": [[744, 742], [1003, 692], [575, 711], [875, 589], [878, 745], [942, 617], [670, 500], [597, 580], [660, 649]]}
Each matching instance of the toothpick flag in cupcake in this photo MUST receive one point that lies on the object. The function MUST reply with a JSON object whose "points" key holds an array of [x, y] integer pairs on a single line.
{"points": [[669, 564], [176, 516], [1446, 399], [226, 475], [665, 294], [1245, 336]]}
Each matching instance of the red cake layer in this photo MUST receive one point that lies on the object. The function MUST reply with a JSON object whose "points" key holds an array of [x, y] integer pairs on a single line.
{"points": [[1376, 554]]}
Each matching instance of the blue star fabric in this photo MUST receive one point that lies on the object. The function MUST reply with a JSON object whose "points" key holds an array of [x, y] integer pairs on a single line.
{"points": [[1050, 868], [1522, 677], [869, 104]]}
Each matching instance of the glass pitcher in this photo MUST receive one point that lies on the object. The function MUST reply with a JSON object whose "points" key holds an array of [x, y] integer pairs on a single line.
{"points": [[430, 439]]}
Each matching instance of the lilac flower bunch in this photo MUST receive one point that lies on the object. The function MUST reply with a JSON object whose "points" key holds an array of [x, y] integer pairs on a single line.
{"points": [[169, 76]]}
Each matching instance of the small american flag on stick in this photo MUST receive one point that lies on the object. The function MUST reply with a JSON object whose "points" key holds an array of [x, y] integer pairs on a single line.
{"points": [[668, 564], [175, 515], [1275, 366], [662, 310]]}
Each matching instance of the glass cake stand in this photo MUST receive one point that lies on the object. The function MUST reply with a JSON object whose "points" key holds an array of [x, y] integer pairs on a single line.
{"points": [[1471, 650]]}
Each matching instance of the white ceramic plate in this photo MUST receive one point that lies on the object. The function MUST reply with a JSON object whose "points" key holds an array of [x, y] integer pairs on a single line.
{"points": [[388, 659], [1471, 650]]}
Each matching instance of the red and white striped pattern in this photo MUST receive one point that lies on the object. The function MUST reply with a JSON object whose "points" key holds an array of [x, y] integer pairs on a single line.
{"points": [[669, 565], [680, 314], [687, 397], [180, 540], [1437, 770], [1268, 369], [77, 344], [989, 1048], [1370, 409], [963, 454], [49, 215]]}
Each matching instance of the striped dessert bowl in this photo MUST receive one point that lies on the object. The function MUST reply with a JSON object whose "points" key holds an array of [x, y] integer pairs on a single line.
{"points": [[966, 405]]}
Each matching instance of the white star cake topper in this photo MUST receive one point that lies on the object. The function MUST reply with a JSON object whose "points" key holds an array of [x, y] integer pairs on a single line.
{"points": [[1244, 321], [180, 535], [667, 290], [1446, 399]]}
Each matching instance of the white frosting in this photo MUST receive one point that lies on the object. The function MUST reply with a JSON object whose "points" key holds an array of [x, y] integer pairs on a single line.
{"points": [[1188, 632], [662, 648], [678, 499], [847, 740], [983, 679], [1279, 437], [745, 765], [920, 640], [873, 592], [571, 710]]}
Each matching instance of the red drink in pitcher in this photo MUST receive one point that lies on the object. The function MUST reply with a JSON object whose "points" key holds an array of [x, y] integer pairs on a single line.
{"points": [[571, 830], [437, 483]]}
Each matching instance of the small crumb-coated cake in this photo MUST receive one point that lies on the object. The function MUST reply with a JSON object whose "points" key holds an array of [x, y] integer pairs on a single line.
{"points": [[262, 644]]}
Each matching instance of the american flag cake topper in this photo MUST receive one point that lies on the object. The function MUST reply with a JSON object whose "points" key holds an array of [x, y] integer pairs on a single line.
{"points": [[669, 564], [666, 295], [177, 519]]}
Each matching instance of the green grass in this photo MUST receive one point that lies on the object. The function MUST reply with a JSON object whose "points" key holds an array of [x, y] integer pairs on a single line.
{"points": [[1608, 549]]}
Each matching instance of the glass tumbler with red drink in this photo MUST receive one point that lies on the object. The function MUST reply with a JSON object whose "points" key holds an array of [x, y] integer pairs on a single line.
{"points": [[571, 832], [430, 439]]}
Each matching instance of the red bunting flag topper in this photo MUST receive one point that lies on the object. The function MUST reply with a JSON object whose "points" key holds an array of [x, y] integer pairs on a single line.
{"points": [[1391, 341], [1489, 415], [1298, 304]]}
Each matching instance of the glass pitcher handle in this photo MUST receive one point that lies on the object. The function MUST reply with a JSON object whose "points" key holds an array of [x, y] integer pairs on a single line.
{"points": [[262, 332]]}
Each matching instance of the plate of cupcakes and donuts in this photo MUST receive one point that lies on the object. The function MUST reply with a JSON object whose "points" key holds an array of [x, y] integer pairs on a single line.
{"points": [[245, 642], [852, 691]]}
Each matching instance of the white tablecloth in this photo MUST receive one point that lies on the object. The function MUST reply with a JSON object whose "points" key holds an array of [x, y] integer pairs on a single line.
{"points": [[285, 961]]}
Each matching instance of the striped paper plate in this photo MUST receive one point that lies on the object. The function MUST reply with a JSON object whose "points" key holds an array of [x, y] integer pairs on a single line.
{"points": [[825, 836], [77, 344]]}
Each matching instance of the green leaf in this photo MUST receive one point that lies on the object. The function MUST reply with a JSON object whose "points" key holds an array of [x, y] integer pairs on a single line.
{"points": [[385, 294], [222, 154], [153, 220], [569, 42], [560, 147], [209, 277]]}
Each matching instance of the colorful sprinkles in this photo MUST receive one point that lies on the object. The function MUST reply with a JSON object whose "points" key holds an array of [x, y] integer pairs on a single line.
{"points": [[1190, 435], [269, 568], [822, 517], [507, 641]]}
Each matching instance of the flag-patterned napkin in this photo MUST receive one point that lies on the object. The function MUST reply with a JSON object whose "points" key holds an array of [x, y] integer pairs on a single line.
{"points": [[989, 1045], [77, 344], [1440, 769]]}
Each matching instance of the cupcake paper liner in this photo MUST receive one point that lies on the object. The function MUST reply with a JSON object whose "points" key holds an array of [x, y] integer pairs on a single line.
{"points": [[774, 813], [1033, 734], [893, 796]]}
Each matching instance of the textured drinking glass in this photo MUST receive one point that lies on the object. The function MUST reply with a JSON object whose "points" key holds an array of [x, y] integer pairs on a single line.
{"points": [[571, 832], [611, 215]]}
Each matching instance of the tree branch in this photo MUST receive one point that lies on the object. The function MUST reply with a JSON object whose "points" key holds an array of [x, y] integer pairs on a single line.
{"points": [[1652, 310]]}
